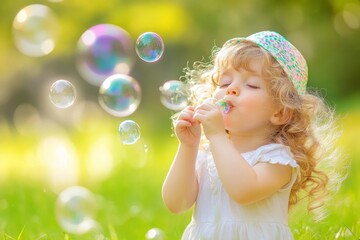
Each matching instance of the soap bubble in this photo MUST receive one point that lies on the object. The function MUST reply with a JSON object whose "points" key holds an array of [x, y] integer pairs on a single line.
{"points": [[174, 95], [62, 94], [35, 28], [129, 132], [155, 234], [104, 50], [75, 210], [149, 47], [120, 95]]}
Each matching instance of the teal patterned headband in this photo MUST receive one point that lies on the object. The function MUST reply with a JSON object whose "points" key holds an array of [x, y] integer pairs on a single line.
{"points": [[288, 56]]}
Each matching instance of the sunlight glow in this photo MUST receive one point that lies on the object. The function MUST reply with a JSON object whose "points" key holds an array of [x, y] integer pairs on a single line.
{"points": [[60, 162], [100, 160]]}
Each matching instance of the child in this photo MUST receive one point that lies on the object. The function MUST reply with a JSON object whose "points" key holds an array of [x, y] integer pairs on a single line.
{"points": [[259, 152]]}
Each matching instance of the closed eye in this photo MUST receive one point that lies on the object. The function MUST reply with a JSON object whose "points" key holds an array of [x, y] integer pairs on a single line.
{"points": [[224, 85], [252, 86]]}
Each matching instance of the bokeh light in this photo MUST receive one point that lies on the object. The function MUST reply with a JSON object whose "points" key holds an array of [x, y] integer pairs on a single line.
{"points": [[120, 95], [129, 132], [35, 29], [155, 234], [174, 95], [60, 162], [76, 209], [102, 51], [149, 47], [62, 94], [100, 149]]}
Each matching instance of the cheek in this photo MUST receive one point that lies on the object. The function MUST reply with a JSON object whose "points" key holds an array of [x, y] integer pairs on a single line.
{"points": [[259, 108], [257, 102]]}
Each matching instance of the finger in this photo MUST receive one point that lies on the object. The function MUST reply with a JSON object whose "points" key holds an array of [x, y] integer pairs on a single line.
{"points": [[182, 123], [203, 106], [201, 112], [186, 115], [191, 108], [210, 100], [206, 106], [199, 117]]}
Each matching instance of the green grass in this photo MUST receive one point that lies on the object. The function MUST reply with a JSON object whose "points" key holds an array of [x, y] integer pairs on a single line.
{"points": [[129, 196]]}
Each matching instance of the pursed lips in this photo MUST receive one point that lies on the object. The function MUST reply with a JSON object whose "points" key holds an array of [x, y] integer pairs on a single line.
{"points": [[226, 105]]}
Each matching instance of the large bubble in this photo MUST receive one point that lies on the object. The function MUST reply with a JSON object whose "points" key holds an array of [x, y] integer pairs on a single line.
{"points": [[120, 95], [62, 94], [35, 29], [129, 132], [102, 51], [149, 47], [76, 209], [174, 95]]}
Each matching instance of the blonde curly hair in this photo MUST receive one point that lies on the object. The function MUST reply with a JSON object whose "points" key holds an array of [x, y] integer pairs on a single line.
{"points": [[310, 131]]}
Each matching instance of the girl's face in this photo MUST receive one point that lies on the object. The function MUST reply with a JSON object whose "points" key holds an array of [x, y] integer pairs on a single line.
{"points": [[252, 106]]}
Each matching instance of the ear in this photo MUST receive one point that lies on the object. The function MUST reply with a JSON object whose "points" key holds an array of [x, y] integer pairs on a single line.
{"points": [[281, 116]]}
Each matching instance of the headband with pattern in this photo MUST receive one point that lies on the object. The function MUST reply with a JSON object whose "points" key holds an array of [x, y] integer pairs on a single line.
{"points": [[288, 56]]}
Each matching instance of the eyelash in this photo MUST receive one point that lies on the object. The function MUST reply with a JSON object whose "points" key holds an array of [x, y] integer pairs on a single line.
{"points": [[252, 86], [249, 85], [224, 85]]}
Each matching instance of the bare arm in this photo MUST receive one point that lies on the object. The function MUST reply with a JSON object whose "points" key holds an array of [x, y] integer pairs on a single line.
{"points": [[180, 187], [244, 183]]}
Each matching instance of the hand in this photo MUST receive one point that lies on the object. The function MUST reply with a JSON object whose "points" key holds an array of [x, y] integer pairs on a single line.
{"points": [[187, 129], [209, 115]]}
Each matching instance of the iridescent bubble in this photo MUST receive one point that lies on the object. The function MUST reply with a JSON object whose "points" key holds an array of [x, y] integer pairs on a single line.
{"points": [[76, 209], [149, 47], [120, 95], [62, 94], [102, 51], [174, 95], [35, 29], [129, 132], [155, 234]]}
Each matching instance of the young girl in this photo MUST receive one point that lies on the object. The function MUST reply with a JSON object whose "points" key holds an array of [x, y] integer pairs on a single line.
{"points": [[261, 147]]}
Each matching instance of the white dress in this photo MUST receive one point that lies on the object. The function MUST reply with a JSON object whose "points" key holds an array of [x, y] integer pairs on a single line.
{"points": [[217, 217]]}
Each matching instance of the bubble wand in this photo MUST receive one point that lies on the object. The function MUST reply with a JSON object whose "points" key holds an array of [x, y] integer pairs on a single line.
{"points": [[224, 105]]}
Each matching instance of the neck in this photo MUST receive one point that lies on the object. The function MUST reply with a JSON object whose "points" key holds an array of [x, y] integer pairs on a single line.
{"points": [[244, 143]]}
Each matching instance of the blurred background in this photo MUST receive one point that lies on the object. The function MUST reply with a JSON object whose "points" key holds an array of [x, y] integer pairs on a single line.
{"points": [[45, 149]]}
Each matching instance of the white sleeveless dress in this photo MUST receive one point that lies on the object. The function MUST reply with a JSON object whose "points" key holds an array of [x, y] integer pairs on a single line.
{"points": [[217, 217]]}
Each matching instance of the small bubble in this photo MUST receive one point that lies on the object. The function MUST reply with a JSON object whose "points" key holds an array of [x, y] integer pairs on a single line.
{"points": [[174, 95], [129, 132], [149, 47], [120, 95], [62, 94], [75, 210]]}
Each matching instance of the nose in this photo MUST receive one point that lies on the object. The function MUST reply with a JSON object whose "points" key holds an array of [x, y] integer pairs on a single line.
{"points": [[232, 91]]}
